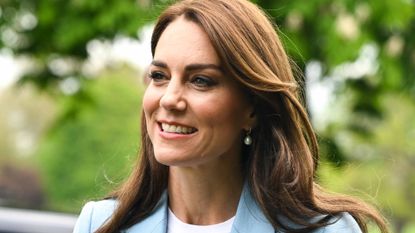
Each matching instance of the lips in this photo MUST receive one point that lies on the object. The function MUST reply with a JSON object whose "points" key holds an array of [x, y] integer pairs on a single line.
{"points": [[180, 129]]}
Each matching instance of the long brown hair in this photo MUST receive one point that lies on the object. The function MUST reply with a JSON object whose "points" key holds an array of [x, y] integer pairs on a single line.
{"points": [[281, 163]]}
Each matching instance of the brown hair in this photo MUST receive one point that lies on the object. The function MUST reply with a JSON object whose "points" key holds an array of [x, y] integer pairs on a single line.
{"points": [[280, 165]]}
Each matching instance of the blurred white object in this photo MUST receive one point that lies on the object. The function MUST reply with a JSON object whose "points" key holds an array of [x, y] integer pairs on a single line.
{"points": [[30, 221]]}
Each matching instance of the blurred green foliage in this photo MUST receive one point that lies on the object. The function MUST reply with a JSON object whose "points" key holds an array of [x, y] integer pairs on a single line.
{"points": [[49, 29], [385, 174], [367, 148], [82, 157]]}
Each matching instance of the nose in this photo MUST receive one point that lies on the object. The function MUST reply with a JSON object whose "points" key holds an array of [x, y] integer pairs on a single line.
{"points": [[172, 98]]}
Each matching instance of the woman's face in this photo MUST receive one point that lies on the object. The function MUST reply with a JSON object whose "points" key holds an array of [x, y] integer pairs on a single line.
{"points": [[195, 114]]}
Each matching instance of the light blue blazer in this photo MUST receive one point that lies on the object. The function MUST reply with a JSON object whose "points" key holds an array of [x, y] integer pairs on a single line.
{"points": [[249, 218]]}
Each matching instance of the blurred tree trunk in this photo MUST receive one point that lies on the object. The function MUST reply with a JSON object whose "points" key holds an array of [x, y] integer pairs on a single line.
{"points": [[144, 3], [399, 225]]}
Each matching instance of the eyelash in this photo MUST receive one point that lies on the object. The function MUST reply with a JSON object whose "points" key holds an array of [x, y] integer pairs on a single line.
{"points": [[206, 81], [198, 81], [157, 76]]}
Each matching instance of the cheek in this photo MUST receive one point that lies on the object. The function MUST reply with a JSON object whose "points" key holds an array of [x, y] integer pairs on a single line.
{"points": [[150, 105], [225, 112], [150, 102]]}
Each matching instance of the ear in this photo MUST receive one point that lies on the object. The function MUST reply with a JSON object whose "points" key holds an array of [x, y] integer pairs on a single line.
{"points": [[251, 118]]}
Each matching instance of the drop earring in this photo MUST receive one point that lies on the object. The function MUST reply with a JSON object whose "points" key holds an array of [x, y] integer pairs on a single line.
{"points": [[248, 138]]}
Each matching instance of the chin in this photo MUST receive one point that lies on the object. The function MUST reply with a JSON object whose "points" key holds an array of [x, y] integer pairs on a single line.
{"points": [[170, 159]]}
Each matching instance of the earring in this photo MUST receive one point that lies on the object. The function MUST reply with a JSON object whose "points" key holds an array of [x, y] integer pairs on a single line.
{"points": [[248, 138]]}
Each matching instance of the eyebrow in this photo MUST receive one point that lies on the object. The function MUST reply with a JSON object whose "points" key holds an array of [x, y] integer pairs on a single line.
{"points": [[191, 67]]}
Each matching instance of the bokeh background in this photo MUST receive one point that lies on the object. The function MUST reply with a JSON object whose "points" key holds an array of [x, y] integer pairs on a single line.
{"points": [[71, 81]]}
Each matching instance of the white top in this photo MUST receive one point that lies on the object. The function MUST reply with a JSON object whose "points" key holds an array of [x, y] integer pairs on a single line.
{"points": [[175, 225]]}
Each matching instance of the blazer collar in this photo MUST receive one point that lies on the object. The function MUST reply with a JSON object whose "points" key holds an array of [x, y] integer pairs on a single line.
{"points": [[249, 217], [155, 222]]}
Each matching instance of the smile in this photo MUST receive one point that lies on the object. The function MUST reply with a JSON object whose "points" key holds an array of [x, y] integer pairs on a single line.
{"points": [[177, 129]]}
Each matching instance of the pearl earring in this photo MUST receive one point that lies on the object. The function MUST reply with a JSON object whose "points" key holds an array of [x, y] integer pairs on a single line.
{"points": [[248, 138]]}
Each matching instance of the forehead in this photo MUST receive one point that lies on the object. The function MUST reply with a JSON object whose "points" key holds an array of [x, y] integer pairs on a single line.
{"points": [[184, 41]]}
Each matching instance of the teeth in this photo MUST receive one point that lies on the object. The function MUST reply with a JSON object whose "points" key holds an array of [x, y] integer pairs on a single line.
{"points": [[177, 129]]}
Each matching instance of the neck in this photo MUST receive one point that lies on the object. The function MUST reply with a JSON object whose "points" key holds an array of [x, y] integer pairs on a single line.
{"points": [[203, 196]]}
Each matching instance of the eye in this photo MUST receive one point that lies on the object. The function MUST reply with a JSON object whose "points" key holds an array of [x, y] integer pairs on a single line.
{"points": [[202, 81], [157, 76]]}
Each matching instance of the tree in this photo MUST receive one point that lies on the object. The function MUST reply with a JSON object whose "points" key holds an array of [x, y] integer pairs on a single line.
{"points": [[51, 32]]}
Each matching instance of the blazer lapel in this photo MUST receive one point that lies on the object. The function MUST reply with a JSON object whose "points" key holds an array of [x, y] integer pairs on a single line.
{"points": [[249, 217], [156, 222]]}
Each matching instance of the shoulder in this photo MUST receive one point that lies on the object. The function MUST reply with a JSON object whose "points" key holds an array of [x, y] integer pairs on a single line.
{"points": [[344, 223], [93, 215]]}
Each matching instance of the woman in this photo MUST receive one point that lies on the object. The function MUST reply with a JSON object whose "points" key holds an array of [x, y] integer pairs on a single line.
{"points": [[226, 144]]}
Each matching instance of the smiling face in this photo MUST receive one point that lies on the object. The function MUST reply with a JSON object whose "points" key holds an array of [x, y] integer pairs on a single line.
{"points": [[195, 114]]}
